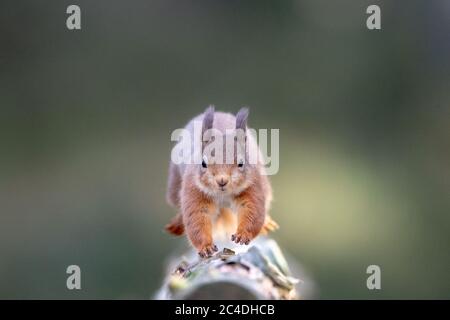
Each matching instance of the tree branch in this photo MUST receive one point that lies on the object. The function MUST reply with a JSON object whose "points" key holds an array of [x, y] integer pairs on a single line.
{"points": [[258, 271]]}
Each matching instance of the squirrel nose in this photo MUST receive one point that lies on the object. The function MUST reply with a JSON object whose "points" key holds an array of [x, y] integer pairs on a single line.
{"points": [[222, 181]]}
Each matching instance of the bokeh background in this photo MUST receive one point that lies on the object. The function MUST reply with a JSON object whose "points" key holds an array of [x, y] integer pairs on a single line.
{"points": [[86, 118]]}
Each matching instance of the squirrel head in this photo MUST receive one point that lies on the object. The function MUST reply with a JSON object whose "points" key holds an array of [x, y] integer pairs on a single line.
{"points": [[224, 169]]}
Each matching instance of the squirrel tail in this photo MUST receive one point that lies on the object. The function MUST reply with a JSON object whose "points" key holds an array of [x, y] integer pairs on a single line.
{"points": [[176, 226]]}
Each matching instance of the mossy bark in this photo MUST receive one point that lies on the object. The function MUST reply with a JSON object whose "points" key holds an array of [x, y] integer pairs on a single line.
{"points": [[258, 271]]}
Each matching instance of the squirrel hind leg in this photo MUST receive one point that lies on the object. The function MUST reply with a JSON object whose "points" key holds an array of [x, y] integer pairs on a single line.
{"points": [[176, 225], [269, 225]]}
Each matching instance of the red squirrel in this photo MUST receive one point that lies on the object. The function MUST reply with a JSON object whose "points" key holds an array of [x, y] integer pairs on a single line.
{"points": [[216, 197]]}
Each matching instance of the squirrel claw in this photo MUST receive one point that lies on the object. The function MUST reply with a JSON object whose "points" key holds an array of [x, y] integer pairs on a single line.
{"points": [[240, 239], [208, 251]]}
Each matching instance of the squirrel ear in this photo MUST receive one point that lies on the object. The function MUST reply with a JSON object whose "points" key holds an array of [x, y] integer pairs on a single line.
{"points": [[208, 118], [241, 118]]}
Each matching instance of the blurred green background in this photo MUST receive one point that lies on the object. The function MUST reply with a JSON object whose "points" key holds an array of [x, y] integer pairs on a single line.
{"points": [[86, 118]]}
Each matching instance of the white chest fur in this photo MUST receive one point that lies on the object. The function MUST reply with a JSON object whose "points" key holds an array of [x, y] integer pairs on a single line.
{"points": [[225, 201], [224, 225]]}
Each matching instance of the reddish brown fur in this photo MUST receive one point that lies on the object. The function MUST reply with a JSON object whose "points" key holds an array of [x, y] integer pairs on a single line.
{"points": [[195, 192], [176, 225], [197, 210], [250, 220]]}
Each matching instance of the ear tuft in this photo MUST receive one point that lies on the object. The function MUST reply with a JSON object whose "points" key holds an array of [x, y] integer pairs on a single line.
{"points": [[241, 118], [208, 118]]}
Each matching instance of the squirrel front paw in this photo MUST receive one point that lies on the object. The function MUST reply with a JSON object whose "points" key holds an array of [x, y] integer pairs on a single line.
{"points": [[242, 237], [207, 251]]}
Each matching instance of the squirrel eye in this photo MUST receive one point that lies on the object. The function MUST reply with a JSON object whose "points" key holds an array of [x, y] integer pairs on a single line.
{"points": [[204, 164]]}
